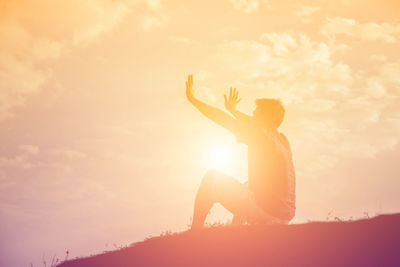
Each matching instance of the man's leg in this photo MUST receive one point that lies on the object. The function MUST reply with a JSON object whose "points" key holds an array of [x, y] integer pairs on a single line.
{"points": [[204, 200], [256, 215], [218, 187]]}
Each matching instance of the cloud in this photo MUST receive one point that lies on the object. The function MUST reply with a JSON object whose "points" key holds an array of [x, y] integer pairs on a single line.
{"points": [[155, 4], [280, 55], [35, 34], [304, 12], [250, 54], [246, 6], [335, 104], [54, 158], [378, 58], [34, 150], [149, 23], [101, 18], [18, 161], [371, 31], [182, 40], [21, 160], [281, 42], [68, 153], [206, 93]]}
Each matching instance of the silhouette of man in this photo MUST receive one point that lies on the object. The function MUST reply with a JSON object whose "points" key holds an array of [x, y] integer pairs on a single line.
{"points": [[269, 195]]}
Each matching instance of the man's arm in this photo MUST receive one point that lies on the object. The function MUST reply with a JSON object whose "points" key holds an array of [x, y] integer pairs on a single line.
{"points": [[230, 105], [249, 132], [214, 114]]}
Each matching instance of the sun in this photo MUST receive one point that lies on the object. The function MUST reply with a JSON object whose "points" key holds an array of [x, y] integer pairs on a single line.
{"points": [[220, 156]]}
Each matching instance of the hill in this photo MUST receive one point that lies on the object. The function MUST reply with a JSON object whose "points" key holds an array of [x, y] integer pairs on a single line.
{"points": [[367, 242]]}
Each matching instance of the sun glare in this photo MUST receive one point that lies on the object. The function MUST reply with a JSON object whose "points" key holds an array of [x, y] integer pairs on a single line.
{"points": [[220, 156], [223, 155]]}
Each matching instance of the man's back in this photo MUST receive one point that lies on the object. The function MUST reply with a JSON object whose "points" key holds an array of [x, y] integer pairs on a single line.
{"points": [[271, 173]]}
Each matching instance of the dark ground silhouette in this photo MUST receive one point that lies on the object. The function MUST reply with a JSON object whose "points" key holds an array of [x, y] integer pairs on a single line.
{"points": [[367, 242]]}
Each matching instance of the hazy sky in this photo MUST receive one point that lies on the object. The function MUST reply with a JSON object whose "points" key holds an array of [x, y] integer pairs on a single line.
{"points": [[98, 144]]}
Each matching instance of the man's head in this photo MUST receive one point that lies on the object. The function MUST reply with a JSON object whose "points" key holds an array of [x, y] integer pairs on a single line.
{"points": [[269, 112]]}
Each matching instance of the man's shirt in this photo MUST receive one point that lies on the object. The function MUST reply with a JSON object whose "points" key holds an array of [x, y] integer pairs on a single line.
{"points": [[270, 169]]}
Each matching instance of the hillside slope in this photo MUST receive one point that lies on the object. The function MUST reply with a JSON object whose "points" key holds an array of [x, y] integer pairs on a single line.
{"points": [[369, 242]]}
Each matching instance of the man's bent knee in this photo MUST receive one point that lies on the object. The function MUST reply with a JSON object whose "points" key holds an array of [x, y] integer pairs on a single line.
{"points": [[209, 182], [210, 177]]}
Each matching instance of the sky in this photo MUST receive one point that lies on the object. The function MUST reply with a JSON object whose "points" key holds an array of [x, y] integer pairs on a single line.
{"points": [[99, 147]]}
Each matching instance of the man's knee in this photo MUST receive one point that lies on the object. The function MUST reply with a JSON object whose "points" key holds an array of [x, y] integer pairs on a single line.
{"points": [[210, 177]]}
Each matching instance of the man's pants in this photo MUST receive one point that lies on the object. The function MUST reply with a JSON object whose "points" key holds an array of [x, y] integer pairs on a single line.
{"points": [[238, 199]]}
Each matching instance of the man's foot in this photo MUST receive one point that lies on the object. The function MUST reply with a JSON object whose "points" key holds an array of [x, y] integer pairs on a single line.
{"points": [[238, 220], [196, 226]]}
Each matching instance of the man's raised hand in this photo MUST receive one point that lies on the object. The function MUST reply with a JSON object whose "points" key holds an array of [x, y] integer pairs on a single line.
{"points": [[232, 101], [189, 87]]}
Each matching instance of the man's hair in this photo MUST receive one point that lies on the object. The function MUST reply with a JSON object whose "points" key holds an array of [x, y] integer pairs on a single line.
{"points": [[273, 108]]}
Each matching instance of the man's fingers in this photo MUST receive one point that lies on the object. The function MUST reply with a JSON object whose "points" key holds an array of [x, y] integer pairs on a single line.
{"points": [[238, 101], [226, 100], [230, 93]]}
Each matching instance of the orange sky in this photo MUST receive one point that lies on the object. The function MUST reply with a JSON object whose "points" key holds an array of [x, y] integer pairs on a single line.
{"points": [[99, 145]]}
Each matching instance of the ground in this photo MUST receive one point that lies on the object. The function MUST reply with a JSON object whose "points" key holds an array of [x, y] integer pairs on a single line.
{"points": [[366, 242]]}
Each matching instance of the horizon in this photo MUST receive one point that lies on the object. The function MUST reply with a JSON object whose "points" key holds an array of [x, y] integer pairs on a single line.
{"points": [[99, 145]]}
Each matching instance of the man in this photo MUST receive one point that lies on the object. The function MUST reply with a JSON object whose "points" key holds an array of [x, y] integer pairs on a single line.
{"points": [[269, 195]]}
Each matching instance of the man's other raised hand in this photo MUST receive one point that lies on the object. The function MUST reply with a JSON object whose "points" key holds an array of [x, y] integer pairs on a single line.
{"points": [[232, 101]]}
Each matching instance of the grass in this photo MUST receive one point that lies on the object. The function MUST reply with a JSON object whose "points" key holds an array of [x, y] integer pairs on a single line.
{"points": [[338, 242]]}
